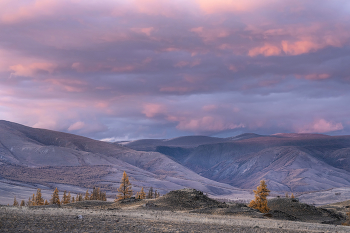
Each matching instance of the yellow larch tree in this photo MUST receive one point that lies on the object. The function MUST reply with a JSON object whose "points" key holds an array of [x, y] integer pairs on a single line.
{"points": [[39, 200], [15, 202], [125, 190], [142, 194], [29, 203], [65, 198], [87, 196], [55, 200], [260, 201], [33, 200], [23, 203], [69, 197]]}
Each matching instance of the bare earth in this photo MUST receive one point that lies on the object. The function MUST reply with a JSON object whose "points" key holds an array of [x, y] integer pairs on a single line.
{"points": [[14, 219]]}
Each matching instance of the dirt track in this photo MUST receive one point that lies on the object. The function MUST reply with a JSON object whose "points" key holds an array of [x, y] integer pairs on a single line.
{"points": [[14, 219]]}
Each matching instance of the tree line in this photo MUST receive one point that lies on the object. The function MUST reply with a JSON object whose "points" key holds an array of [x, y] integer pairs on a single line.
{"points": [[124, 192]]}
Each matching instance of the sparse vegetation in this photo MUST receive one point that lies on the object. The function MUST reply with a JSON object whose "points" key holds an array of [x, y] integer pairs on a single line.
{"points": [[260, 201]]}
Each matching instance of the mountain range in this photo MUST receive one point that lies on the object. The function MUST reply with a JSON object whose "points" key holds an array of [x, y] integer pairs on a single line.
{"points": [[288, 162], [222, 167], [32, 158]]}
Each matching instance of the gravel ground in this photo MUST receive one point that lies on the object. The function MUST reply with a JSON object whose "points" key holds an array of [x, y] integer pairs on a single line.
{"points": [[25, 219]]}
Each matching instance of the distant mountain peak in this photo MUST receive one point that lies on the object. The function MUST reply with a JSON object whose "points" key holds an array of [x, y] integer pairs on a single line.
{"points": [[296, 135], [245, 136]]}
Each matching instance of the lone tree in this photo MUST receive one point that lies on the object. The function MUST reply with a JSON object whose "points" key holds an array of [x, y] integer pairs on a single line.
{"points": [[124, 189], [260, 201], [55, 200]]}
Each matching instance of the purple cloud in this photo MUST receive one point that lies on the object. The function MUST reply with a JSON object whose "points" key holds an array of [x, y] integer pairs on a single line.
{"points": [[134, 69]]}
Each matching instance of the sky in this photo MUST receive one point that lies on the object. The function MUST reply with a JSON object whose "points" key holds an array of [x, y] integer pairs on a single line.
{"points": [[130, 69]]}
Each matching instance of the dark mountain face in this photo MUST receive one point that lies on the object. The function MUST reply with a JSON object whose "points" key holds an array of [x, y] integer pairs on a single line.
{"points": [[290, 162]]}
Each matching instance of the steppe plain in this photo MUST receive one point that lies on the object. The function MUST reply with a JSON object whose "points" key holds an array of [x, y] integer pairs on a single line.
{"points": [[179, 211]]}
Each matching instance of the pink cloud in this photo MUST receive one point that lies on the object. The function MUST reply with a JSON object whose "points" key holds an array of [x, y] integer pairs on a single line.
{"points": [[146, 31], [300, 47], [76, 126], [69, 85], [32, 69], [220, 6], [266, 50], [12, 12], [151, 109], [321, 126]]}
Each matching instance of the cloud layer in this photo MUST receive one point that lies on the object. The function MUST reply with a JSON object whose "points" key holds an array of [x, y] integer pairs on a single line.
{"points": [[161, 68]]}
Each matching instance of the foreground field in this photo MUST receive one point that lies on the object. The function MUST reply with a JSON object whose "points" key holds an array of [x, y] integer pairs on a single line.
{"points": [[26, 219]]}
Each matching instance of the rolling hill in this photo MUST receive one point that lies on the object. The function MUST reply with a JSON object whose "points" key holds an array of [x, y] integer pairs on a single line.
{"points": [[31, 158]]}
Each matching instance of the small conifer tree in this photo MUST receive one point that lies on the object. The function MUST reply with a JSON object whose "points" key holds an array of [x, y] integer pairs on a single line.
{"points": [[124, 189], [292, 196], [260, 201], [80, 197], [142, 194], [15, 202], [69, 197], [65, 198], [103, 196], [23, 203], [150, 193], [55, 200], [156, 194], [38, 198], [87, 196], [46, 202], [33, 200], [73, 199], [29, 203], [137, 195], [95, 195]]}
